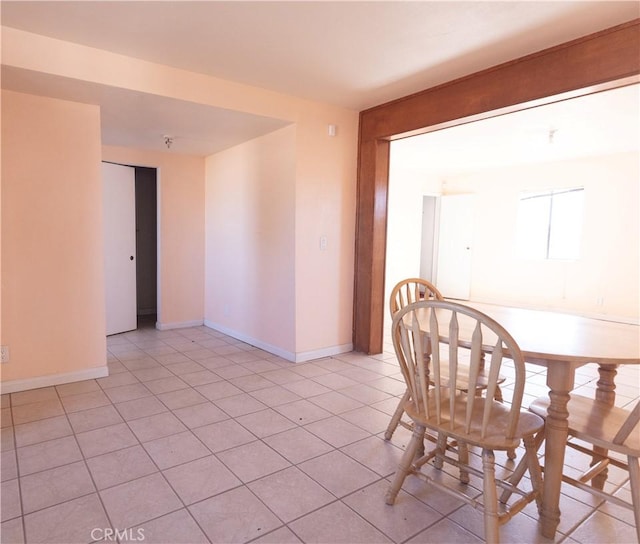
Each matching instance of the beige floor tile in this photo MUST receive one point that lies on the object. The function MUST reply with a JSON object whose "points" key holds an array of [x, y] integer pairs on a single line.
{"points": [[120, 466], [201, 377], [11, 532], [42, 430], [224, 435], [56, 485], [600, 527], [309, 370], [265, 423], [284, 535], [144, 407], [252, 382], [338, 524], [181, 398], [77, 388], [290, 493], [298, 445], [117, 380], [6, 418], [275, 395], [335, 381], [8, 465], [7, 440], [239, 405], [34, 395], [224, 518], [367, 418], [34, 411], [336, 431], [201, 479], [281, 375], [377, 454], [127, 392], [177, 528], [185, 367], [199, 415], [166, 385], [338, 473], [218, 390], [133, 503], [9, 500], [88, 420], [302, 411], [175, 449], [306, 388], [156, 426], [445, 531], [389, 385], [232, 371], [404, 519], [71, 522], [365, 393], [85, 401], [46, 455], [336, 402], [151, 374], [252, 461], [106, 439]]}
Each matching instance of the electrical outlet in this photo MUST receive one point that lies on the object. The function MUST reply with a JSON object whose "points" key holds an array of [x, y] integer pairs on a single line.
{"points": [[4, 354]]}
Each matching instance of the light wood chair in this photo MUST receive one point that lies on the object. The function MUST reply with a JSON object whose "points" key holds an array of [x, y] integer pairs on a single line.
{"points": [[608, 429], [406, 292], [437, 404]]}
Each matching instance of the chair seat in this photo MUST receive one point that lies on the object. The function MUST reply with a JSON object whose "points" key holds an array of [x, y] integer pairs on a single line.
{"points": [[528, 424], [596, 422]]}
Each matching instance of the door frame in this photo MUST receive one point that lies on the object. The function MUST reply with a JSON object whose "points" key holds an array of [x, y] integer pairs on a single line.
{"points": [[158, 231], [593, 63]]}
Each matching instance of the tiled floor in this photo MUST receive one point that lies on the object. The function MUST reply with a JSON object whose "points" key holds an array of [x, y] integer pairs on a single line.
{"points": [[197, 437]]}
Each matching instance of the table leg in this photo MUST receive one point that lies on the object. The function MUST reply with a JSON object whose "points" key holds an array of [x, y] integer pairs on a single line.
{"points": [[560, 379], [606, 393]]}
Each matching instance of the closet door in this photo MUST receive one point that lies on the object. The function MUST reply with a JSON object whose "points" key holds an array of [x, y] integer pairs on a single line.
{"points": [[119, 212]]}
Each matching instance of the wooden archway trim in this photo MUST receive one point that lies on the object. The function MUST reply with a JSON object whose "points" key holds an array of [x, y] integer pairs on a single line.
{"points": [[580, 66]]}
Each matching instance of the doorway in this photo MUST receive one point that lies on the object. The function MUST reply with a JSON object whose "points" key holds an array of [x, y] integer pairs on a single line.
{"points": [[130, 246]]}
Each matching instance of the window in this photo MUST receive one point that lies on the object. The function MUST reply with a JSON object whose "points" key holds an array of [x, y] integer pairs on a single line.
{"points": [[550, 224]]}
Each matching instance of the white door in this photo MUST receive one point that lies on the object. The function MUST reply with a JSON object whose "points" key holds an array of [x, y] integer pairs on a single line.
{"points": [[454, 246], [119, 209]]}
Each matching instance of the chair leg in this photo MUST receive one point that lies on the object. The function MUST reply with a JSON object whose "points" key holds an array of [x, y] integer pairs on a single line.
{"points": [[520, 470], [491, 521], [531, 445], [441, 444], [397, 416], [405, 463], [634, 479], [463, 457]]}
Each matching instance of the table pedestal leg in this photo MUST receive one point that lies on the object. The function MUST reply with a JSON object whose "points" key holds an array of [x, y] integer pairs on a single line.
{"points": [[606, 393], [560, 382]]}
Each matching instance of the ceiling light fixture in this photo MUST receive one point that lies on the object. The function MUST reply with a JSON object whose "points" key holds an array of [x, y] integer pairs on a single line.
{"points": [[168, 140]]}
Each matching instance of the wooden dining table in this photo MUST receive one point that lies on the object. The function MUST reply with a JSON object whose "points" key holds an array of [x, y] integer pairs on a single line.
{"points": [[562, 342]]}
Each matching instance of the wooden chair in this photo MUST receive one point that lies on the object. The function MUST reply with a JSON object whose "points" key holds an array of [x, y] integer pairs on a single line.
{"points": [[435, 403], [406, 292], [608, 429]]}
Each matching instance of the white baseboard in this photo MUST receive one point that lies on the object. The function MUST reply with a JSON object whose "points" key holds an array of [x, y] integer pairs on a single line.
{"points": [[179, 325], [300, 357], [13, 386]]}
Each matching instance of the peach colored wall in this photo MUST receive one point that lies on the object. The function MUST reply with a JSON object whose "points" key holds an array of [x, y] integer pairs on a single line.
{"points": [[250, 238], [325, 206], [325, 170], [608, 267], [52, 264], [180, 230]]}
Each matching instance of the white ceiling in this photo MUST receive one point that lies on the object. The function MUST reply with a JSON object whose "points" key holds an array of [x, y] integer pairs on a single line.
{"points": [[596, 124], [353, 54]]}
